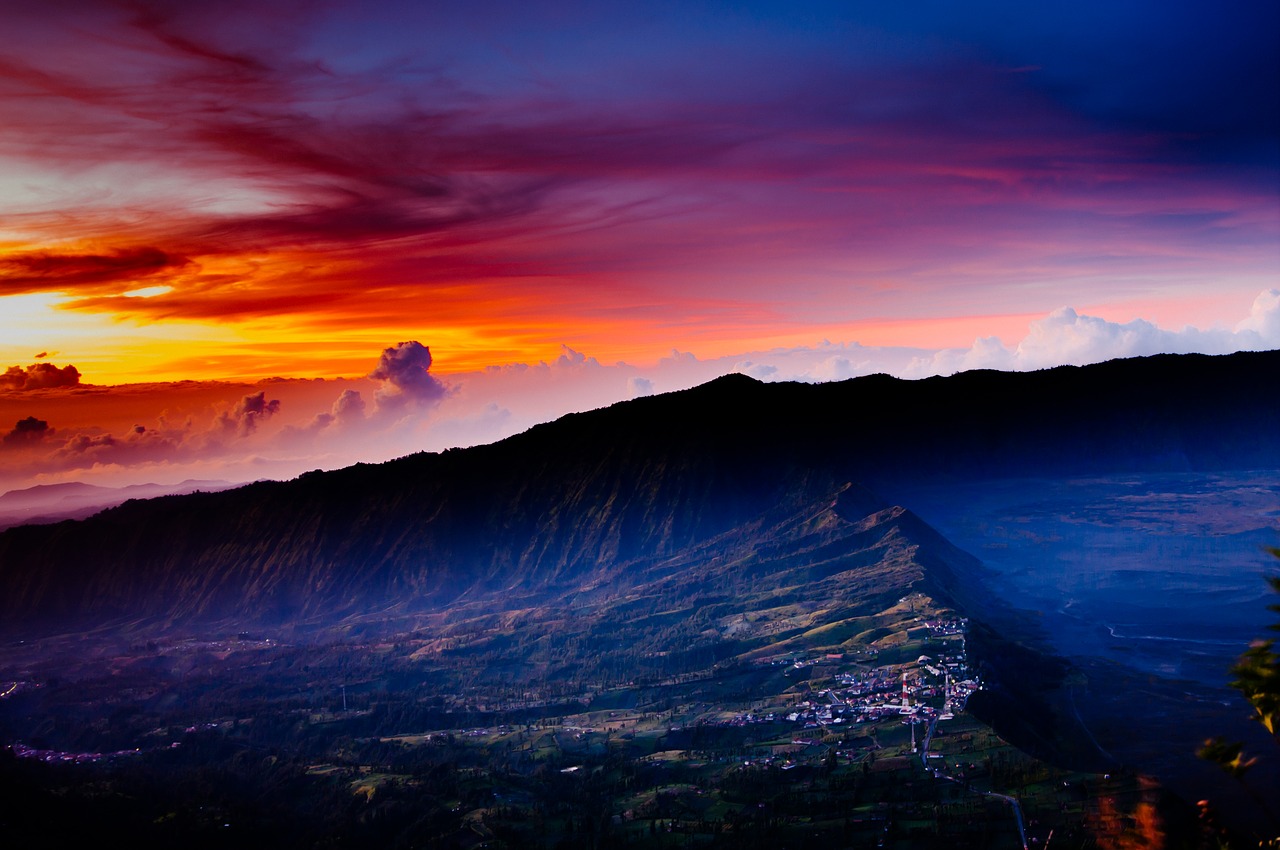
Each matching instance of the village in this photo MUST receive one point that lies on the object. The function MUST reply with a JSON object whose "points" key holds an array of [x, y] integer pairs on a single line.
{"points": [[929, 689]]}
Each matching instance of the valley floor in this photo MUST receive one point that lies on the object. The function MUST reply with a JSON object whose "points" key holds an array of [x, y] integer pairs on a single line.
{"points": [[250, 742]]}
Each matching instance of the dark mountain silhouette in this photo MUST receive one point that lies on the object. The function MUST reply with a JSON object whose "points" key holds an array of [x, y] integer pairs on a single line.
{"points": [[605, 498]]}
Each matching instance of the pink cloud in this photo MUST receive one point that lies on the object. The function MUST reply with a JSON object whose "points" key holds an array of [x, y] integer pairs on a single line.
{"points": [[243, 419]]}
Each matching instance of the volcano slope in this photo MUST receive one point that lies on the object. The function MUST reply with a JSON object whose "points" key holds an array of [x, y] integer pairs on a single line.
{"points": [[566, 503]]}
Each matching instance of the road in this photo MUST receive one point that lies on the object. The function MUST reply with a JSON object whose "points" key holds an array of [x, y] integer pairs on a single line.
{"points": [[1012, 801]]}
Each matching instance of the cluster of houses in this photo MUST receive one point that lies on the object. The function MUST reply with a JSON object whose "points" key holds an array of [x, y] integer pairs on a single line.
{"points": [[928, 689], [947, 628], [22, 751]]}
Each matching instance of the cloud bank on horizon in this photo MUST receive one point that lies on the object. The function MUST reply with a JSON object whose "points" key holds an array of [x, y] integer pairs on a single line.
{"points": [[280, 428]]}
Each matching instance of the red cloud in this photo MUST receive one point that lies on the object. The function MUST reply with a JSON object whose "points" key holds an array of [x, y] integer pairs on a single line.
{"points": [[39, 376], [46, 271]]}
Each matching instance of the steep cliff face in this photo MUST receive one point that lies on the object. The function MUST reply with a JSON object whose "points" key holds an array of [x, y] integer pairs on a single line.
{"points": [[594, 495], [548, 508]]}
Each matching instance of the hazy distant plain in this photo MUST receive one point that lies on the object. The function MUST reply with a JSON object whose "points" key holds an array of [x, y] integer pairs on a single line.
{"points": [[1162, 573]]}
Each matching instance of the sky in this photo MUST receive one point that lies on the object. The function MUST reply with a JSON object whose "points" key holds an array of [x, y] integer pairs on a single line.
{"points": [[245, 240]]}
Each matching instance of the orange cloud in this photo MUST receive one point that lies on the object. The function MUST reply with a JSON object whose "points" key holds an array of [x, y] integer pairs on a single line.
{"points": [[39, 376]]}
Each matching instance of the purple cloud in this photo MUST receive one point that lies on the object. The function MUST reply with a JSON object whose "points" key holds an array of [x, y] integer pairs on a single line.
{"points": [[251, 410], [403, 369], [27, 432]]}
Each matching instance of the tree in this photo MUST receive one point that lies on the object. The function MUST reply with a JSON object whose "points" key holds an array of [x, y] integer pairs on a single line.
{"points": [[1257, 674]]}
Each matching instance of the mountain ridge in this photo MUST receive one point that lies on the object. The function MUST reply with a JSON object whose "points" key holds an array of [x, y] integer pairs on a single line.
{"points": [[643, 479]]}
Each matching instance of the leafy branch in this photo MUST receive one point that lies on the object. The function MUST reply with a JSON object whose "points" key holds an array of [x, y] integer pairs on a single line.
{"points": [[1257, 673]]}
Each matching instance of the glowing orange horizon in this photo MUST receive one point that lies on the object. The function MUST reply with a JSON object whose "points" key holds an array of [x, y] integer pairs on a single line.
{"points": [[126, 332], [112, 348]]}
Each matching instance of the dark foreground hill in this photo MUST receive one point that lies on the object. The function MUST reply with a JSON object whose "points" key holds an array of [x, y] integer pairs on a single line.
{"points": [[598, 498]]}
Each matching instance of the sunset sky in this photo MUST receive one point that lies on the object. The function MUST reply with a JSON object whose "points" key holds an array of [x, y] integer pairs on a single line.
{"points": [[229, 232]]}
